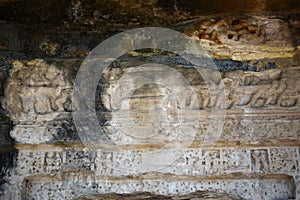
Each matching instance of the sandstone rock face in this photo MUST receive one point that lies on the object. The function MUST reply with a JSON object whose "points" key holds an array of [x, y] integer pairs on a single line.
{"points": [[256, 87], [249, 31], [245, 38]]}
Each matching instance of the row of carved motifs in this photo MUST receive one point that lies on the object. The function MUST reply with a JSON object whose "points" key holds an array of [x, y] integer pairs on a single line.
{"points": [[193, 161], [273, 87], [37, 90]]}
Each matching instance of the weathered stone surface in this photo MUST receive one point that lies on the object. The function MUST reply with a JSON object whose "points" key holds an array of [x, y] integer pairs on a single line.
{"points": [[122, 14], [189, 161], [248, 31], [72, 187], [270, 89], [245, 38], [245, 93], [5, 122], [263, 156], [251, 89], [36, 94], [74, 171], [256, 157], [146, 195], [70, 41]]}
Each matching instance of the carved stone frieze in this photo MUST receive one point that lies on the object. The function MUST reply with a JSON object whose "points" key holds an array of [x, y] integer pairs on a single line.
{"points": [[272, 87], [36, 93], [189, 161], [35, 99], [254, 102]]}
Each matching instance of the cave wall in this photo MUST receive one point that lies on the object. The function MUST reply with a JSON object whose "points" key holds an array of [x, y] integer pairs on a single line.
{"points": [[255, 48]]}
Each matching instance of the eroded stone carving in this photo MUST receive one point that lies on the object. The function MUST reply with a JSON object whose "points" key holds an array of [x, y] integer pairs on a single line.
{"points": [[53, 161], [284, 159], [250, 89], [235, 160], [84, 160], [36, 94], [77, 171], [35, 89], [191, 161], [260, 162]]}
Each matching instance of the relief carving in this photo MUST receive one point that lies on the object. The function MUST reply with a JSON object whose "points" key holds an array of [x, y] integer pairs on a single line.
{"points": [[212, 162], [259, 161], [53, 162], [236, 89], [235, 160], [284, 160], [36, 94], [83, 159], [191, 161], [35, 88]]}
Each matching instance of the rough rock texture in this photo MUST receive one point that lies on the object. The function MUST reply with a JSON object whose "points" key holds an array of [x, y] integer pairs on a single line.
{"points": [[195, 196], [257, 156], [247, 37]]}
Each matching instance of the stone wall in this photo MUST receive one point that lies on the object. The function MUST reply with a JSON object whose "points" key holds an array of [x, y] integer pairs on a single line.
{"points": [[257, 87]]}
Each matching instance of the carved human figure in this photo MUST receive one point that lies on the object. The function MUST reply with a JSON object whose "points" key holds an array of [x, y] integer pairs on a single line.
{"points": [[260, 162], [194, 101], [269, 95], [225, 97], [276, 89]]}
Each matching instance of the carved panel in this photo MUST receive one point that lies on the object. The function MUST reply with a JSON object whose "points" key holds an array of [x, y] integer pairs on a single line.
{"points": [[53, 162], [259, 161], [235, 160], [284, 160], [30, 162], [79, 159]]}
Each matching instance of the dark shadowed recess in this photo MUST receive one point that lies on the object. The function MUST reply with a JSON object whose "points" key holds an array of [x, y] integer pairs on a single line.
{"points": [[232, 6], [7, 150], [56, 11]]}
